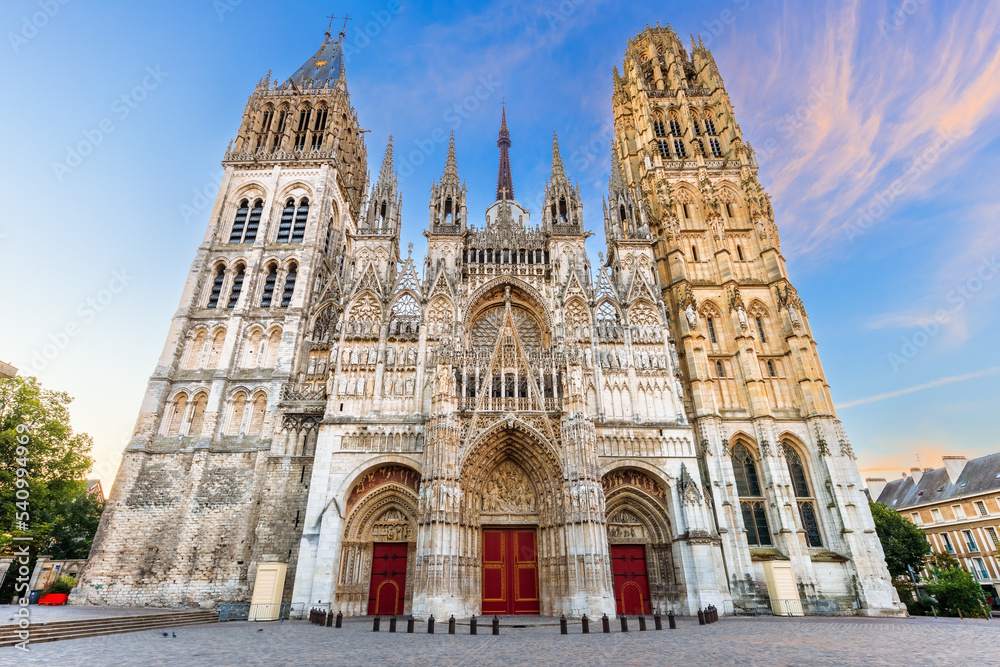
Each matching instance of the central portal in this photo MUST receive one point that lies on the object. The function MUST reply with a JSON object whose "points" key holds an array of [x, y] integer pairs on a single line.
{"points": [[510, 571]]}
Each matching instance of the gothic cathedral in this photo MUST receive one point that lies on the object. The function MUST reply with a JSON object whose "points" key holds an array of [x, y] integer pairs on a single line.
{"points": [[503, 427]]}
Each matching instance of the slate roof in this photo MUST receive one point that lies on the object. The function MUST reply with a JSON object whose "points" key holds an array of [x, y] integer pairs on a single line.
{"points": [[324, 66], [980, 475]]}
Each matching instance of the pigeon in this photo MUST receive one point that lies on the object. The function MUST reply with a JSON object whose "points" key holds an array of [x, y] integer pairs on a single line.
{"points": [[260, 630], [174, 635], [164, 634]]}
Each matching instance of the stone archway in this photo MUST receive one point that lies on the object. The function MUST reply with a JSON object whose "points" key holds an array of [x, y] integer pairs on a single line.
{"points": [[381, 513], [639, 523]]}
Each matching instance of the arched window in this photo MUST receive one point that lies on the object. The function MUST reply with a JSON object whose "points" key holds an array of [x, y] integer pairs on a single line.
{"points": [[752, 504], [195, 348], [234, 293], [760, 329], [239, 406], [254, 222], [739, 249], [215, 352], [273, 345], [663, 146], [720, 371], [299, 231], [198, 414], [257, 414], [710, 126], [711, 329], [679, 148], [286, 295], [803, 494], [770, 369], [716, 149], [252, 353], [694, 250], [607, 314], [285, 226], [269, 282], [239, 222], [177, 414], [220, 277], [658, 128]]}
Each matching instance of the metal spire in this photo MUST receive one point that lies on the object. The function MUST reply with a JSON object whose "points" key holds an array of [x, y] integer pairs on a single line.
{"points": [[505, 183]]}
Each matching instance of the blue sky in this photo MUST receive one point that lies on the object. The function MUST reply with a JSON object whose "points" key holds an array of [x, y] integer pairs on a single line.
{"points": [[877, 129]]}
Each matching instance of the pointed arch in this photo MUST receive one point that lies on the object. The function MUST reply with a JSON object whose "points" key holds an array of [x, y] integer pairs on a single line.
{"points": [[195, 348], [198, 408], [237, 409]]}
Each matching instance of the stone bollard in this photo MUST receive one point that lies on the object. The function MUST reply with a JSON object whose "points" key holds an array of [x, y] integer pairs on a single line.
{"points": [[472, 625], [701, 616], [409, 624], [496, 625], [451, 625], [340, 619], [376, 623], [607, 623], [392, 623], [562, 625], [624, 620], [671, 621], [430, 625], [585, 624], [657, 620], [642, 623]]}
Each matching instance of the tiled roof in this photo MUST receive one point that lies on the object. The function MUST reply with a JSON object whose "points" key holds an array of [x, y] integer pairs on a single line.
{"points": [[980, 475], [324, 66]]}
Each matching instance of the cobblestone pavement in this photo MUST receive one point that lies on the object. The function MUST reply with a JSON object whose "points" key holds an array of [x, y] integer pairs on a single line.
{"points": [[757, 641]]}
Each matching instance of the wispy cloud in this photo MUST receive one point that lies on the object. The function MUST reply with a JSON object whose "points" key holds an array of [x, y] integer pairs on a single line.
{"points": [[940, 382]]}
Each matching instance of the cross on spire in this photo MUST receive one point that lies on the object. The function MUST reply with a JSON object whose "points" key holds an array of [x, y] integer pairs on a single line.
{"points": [[342, 30]]}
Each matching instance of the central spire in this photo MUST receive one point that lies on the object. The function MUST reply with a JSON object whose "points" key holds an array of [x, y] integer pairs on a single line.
{"points": [[505, 183]]}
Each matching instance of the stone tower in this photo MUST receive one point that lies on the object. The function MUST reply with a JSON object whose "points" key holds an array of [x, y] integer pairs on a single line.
{"points": [[774, 455]]}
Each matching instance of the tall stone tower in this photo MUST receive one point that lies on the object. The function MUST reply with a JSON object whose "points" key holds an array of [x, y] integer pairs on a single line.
{"points": [[774, 455]]}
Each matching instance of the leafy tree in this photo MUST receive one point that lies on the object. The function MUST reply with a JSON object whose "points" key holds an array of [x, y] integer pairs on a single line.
{"points": [[954, 589], [48, 502], [904, 544]]}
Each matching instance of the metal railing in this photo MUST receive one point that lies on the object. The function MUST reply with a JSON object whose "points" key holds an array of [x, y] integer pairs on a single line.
{"points": [[244, 611], [776, 607]]}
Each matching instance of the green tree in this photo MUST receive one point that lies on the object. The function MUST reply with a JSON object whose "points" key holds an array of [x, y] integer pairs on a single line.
{"points": [[954, 589], [903, 543], [42, 467]]}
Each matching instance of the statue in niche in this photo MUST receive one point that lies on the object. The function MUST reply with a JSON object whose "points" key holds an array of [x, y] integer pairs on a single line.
{"points": [[692, 317], [390, 356]]}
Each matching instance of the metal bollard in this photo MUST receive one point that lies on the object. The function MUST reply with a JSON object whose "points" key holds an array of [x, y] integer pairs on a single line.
{"points": [[496, 625], [430, 625], [642, 623], [329, 619], [607, 624], [451, 625], [585, 623], [312, 615], [409, 624], [701, 616], [376, 623], [624, 620], [562, 625], [340, 619], [715, 613], [671, 621], [472, 625], [392, 623], [657, 620]]}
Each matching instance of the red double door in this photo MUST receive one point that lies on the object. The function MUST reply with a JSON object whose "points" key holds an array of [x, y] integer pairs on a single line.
{"points": [[388, 583], [628, 565], [510, 571]]}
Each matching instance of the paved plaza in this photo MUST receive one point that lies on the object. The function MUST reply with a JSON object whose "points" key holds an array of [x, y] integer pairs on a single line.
{"points": [[751, 641]]}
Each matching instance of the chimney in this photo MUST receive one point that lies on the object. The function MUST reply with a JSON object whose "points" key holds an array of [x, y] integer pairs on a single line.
{"points": [[955, 465], [916, 474], [875, 486]]}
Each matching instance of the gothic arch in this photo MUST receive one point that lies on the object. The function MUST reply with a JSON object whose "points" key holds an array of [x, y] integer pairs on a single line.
{"points": [[295, 190], [538, 300]]}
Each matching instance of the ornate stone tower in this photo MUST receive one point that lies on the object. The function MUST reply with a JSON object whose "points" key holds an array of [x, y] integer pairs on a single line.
{"points": [[781, 471]]}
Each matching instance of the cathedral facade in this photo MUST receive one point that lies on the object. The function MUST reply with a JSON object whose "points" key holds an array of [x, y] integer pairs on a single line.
{"points": [[501, 427]]}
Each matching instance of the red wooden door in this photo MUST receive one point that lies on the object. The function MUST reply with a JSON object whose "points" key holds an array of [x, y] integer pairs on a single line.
{"points": [[510, 571], [388, 583], [628, 565]]}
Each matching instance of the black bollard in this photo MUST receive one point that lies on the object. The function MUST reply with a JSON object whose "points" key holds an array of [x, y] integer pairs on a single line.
{"points": [[562, 625], [340, 619], [715, 613], [585, 623], [642, 623], [329, 619], [409, 624], [496, 625], [451, 625], [671, 621], [657, 620], [376, 623], [624, 620], [701, 616], [607, 624], [472, 625], [312, 615], [392, 623], [430, 625]]}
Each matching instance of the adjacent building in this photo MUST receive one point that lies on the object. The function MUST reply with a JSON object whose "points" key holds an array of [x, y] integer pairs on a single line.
{"points": [[958, 506]]}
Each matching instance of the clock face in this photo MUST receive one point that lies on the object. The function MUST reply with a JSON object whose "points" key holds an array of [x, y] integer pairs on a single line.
{"points": [[487, 328]]}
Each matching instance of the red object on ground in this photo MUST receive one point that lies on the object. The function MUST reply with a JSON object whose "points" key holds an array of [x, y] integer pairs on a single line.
{"points": [[54, 599]]}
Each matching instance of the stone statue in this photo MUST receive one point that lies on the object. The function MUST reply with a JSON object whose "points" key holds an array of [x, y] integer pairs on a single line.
{"points": [[692, 317]]}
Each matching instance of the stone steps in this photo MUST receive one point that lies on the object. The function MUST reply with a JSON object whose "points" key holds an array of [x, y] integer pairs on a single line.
{"points": [[58, 630]]}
